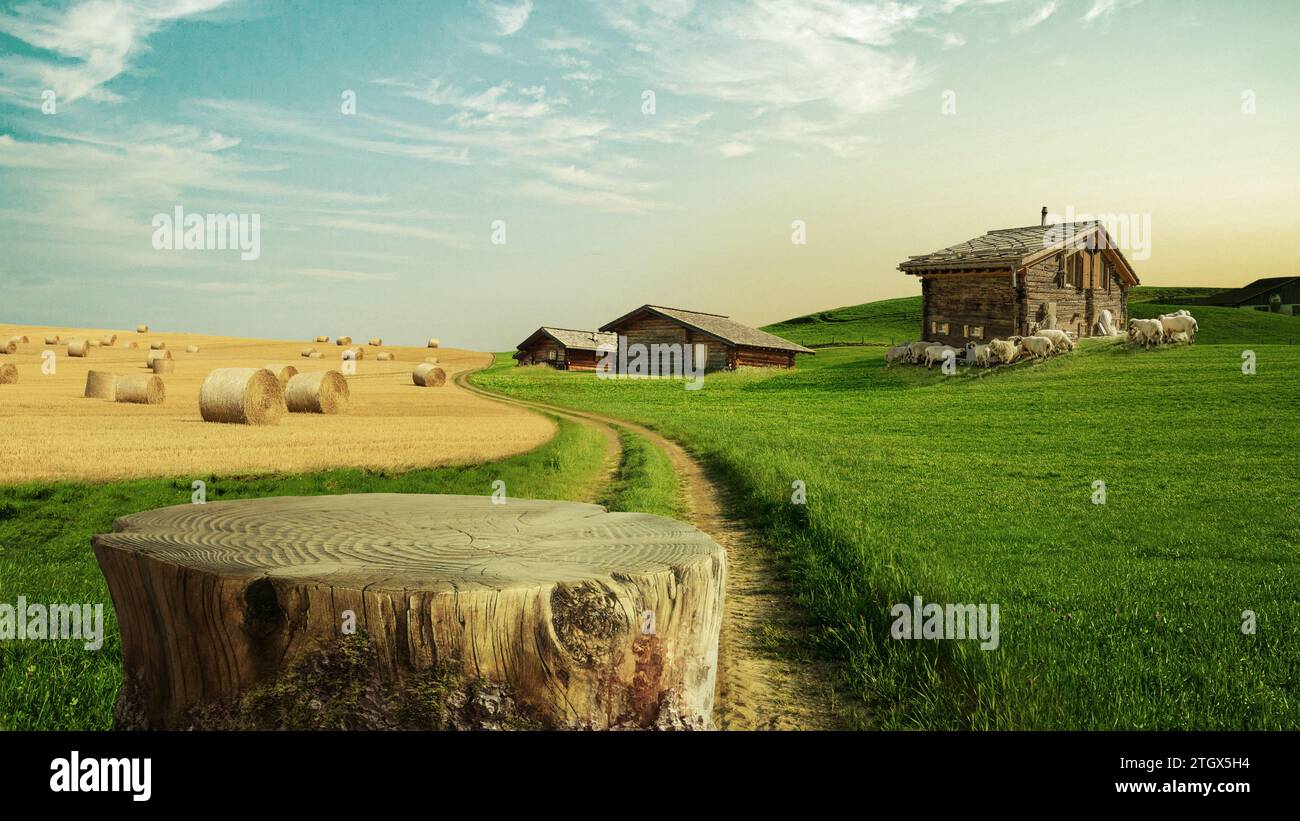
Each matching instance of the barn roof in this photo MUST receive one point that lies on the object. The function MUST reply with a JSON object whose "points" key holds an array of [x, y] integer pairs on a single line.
{"points": [[724, 328], [570, 338], [1246, 292], [1014, 248]]}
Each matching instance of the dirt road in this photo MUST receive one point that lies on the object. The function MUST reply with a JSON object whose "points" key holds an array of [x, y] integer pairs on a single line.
{"points": [[759, 688]]}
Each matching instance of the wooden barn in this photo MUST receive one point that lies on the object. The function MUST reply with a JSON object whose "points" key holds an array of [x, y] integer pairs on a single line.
{"points": [[1013, 281], [728, 344], [563, 348]]}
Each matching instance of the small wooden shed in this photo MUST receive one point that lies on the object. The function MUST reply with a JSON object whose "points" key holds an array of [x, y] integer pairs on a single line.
{"points": [[563, 348], [1014, 281], [728, 344]]}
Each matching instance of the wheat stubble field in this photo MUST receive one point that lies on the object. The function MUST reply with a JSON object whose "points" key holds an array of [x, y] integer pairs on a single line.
{"points": [[52, 433]]}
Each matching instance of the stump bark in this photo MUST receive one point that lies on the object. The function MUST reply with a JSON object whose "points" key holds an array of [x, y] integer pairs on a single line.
{"points": [[592, 619]]}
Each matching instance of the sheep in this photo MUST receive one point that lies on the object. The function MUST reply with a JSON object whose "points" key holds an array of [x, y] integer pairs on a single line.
{"points": [[978, 354], [1060, 339], [1147, 331], [898, 353], [937, 353], [1180, 338], [1179, 312], [1005, 350], [916, 350], [1039, 347], [1174, 323]]}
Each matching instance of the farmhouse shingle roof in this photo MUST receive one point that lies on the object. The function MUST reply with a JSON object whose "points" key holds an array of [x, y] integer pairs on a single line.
{"points": [[571, 339], [1012, 247], [724, 328], [1004, 245]]}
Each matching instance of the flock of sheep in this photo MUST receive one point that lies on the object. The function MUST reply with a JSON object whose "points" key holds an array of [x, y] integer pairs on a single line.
{"points": [[1044, 343], [1178, 327]]}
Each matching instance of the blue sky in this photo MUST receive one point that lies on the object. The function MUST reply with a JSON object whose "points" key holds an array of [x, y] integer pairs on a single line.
{"points": [[534, 114]]}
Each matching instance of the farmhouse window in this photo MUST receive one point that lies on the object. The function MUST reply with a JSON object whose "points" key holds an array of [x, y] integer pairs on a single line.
{"points": [[977, 332], [551, 354], [943, 328], [1076, 270]]}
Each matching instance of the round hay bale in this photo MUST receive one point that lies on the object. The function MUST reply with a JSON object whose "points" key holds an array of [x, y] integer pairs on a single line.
{"points": [[283, 373], [316, 392], [108, 341], [8, 347], [306, 352], [375, 342], [158, 345], [94, 343], [152, 355], [244, 396], [101, 385], [52, 339], [140, 389], [142, 329], [18, 340], [384, 356], [132, 344], [8, 373], [343, 340], [357, 354], [77, 347], [432, 360], [433, 343], [322, 339], [162, 365], [315, 355], [191, 349], [427, 375]]}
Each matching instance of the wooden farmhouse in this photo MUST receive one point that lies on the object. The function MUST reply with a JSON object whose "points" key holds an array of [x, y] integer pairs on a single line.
{"points": [[728, 344], [1013, 281], [563, 348]]}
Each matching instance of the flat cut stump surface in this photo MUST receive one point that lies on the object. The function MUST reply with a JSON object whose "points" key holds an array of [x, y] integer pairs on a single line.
{"points": [[592, 619]]}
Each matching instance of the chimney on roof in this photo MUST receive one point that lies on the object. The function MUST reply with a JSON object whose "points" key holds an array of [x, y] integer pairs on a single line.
{"points": [[1043, 219]]}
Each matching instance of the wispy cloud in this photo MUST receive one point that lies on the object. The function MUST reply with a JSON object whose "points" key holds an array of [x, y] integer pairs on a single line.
{"points": [[1036, 18], [90, 43], [509, 17]]}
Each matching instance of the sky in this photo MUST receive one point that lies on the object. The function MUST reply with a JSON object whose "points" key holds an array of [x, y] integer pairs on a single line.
{"points": [[472, 170]]}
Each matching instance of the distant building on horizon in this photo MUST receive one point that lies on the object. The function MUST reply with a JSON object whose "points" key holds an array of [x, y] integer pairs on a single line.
{"points": [[1277, 294], [1013, 281]]}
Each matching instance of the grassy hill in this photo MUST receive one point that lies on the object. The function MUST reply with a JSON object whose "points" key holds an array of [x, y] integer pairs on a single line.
{"points": [[896, 320], [874, 323], [978, 489], [1170, 295]]}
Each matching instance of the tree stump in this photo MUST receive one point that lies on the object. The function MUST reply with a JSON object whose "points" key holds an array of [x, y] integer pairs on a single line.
{"points": [[592, 619]]}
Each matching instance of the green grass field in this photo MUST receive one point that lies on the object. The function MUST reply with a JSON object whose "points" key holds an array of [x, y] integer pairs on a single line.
{"points": [[45, 553], [977, 489]]}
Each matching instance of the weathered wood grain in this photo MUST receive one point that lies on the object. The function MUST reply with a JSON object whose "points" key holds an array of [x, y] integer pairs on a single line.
{"points": [[547, 598]]}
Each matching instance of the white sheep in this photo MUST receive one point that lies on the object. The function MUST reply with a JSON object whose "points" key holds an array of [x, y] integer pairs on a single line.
{"points": [[1060, 339], [1180, 338], [916, 350], [1147, 331], [1039, 347], [898, 353], [978, 354], [1005, 350], [1175, 323], [936, 353]]}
